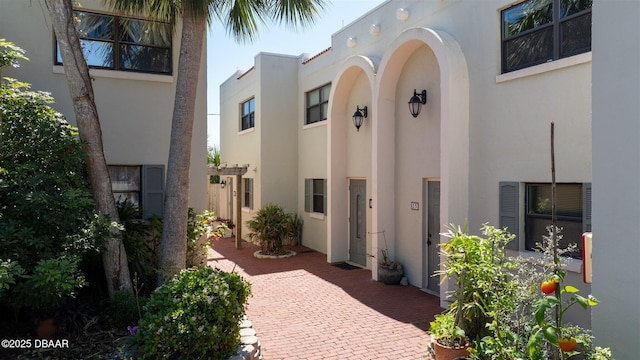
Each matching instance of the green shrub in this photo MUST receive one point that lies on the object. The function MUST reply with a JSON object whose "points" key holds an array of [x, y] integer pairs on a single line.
{"points": [[47, 217], [194, 315], [196, 243], [140, 242], [271, 227], [124, 310]]}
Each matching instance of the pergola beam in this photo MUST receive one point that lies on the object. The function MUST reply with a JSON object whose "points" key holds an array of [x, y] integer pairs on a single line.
{"points": [[238, 171]]}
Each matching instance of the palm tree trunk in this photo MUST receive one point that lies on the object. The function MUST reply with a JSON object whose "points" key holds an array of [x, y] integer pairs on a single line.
{"points": [[114, 256], [173, 248]]}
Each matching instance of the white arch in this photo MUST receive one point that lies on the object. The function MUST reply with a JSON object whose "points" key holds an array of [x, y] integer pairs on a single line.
{"points": [[337, 203], [454, 127]]}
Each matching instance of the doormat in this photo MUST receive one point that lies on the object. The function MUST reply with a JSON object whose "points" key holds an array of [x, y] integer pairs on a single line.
{"points": [[346, 266], [306, 251]]}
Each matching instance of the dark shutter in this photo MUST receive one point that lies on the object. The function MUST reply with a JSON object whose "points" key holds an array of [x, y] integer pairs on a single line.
{"points": [[308, 193], [250, 191], [152, 190], [509, 210], [325, 197], [586, 207]]}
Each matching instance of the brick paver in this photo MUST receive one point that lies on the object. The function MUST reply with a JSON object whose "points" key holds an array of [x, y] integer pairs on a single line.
{"points": [[304, 308]]}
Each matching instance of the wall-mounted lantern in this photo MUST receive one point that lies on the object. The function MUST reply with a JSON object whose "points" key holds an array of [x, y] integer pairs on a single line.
{"points": [[359, 116], [416, 102]]}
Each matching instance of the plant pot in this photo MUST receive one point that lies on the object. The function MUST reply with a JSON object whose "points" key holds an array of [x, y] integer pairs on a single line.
{"points": [[390, 274], [443, 352]]}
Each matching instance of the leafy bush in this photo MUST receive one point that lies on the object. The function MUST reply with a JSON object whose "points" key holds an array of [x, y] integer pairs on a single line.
{"points": [[194, 315], [271, 227], [196, 244], [124, 309], [479, 267], [140, 242], [47, 221], [500, 299]]}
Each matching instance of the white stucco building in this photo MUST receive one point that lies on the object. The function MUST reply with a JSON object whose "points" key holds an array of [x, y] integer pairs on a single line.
{"points": [[616, 175], [134, 79], [478, 151]]}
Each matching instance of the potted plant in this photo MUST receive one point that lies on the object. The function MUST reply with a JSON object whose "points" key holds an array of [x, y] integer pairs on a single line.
{"points": [[478, 266], [389, 272], [449, 340]]}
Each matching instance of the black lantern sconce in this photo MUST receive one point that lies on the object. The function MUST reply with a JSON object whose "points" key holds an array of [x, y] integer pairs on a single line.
{"points": [[359, 116], [416, 102], [223, 184]]}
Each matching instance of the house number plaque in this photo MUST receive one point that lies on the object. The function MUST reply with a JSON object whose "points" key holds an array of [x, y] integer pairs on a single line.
{"points": [[415, 205]]}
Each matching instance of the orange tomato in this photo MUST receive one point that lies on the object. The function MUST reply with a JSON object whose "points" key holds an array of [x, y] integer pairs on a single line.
{"points": [[548, 287], [567, 345]]}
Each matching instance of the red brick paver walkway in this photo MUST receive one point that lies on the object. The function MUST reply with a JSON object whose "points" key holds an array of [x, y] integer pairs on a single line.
{"points": [[304, 308]]}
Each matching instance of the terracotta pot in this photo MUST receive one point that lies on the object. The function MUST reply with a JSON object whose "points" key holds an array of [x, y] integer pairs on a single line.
{"points": [[47, 329], [450, 353], [390, 275]]}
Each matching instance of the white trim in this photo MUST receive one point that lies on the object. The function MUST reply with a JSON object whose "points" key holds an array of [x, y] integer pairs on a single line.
{"points": [[315, 124], [124, 75], [316, 215], [546, 67], [247, 131], [567, 263]]}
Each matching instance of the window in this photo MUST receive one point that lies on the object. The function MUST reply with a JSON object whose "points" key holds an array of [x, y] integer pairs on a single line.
{"points": [[141, 186], [317, 102], [315, 195], [538, 31], [247, 198], [573, 212], [125, 184], [121, 43], [248, 114]]}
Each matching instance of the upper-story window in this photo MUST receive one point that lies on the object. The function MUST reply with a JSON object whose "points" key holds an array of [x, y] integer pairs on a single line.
{"points": [[317, 104], [539, 31], [120, 43], [248, 119]]}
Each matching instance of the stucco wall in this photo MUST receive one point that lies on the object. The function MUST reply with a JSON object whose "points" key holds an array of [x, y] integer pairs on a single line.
{"points": [[135, 109], [616, 175], [478, 128]]}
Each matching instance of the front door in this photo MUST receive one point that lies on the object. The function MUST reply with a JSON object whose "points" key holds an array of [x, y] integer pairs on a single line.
{"points": [[357, 222], [431, 236]]}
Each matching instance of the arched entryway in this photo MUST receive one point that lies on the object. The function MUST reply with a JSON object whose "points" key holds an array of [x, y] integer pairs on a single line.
{"points": [[408, 151], [350, 156]]}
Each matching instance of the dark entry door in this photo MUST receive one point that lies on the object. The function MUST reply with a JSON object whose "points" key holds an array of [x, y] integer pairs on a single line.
{"points": [[357, 222], [431, 236]]}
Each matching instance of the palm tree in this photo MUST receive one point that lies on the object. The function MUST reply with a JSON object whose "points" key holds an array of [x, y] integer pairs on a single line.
{"points": [[241, 19], [114, 257]]}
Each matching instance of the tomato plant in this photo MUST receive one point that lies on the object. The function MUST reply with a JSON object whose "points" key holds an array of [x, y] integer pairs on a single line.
{"points": [[567, 344], [548, 287]]}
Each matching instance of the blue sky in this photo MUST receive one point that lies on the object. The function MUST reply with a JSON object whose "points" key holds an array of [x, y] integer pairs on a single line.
{"points": [[225, 56]]}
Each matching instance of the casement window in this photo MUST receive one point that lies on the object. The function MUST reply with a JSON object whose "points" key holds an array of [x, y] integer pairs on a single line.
{"points": [[248, 119], [247, 193], [315, 196], [120, 43], [317, 104], [573, 212], [539, 31], [142, 186]]}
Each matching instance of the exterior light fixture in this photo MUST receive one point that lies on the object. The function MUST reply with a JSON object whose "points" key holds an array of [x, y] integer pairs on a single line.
{"points": [[402, 14], [374, 29], [359, 116], [416, 102], [352, 42], [223, 184]]}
